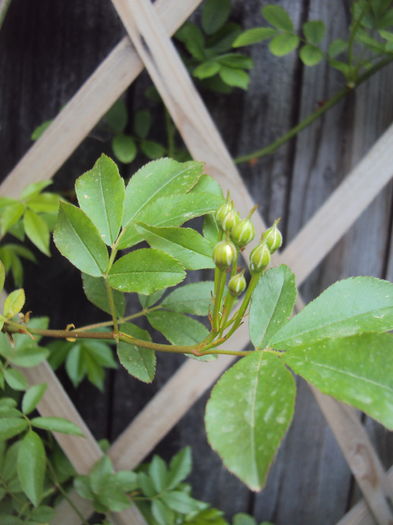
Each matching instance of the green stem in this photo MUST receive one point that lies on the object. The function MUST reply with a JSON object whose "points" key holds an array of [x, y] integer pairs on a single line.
{"points": [[120, 320], [112, 306], [243, 307], [64, 493], [271, 148], [228, 304], [219, 285], [352, 35]]}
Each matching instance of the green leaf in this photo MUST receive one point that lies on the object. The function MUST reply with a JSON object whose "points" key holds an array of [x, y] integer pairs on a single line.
{"points": [[314, 31], [235, 60], [149, 300], [43, 514], [283, 44], [248, 413], [11, 215], [277, 17], [100, 193], [179, 467], [206, 69], [31, 464], [336, 47], [234, 77], [75, 366], [57, 424], [271, 305], [214, 15], [162, 513], [193, 39], [39, 130], [117, 116], [158, 473], [357, 370], [32, 397], [15, 379], [99, 473], [152, 150], [253, 36], [139, 362], [193, 298], [310, 55], [178, 328], [352, 306], [124, 148], [95, 291], [44, 203], [142, 123], [14, 303], [243, 519], [145, 271], [11, 426], [35, 188], [180, 502], [28, 356], [78, 240], [36, 230], [170, 211], [186, 245], [157, 179]]}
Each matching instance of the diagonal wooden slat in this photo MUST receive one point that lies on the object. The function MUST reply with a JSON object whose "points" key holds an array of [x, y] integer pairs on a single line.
{"points": [[88, 105]]}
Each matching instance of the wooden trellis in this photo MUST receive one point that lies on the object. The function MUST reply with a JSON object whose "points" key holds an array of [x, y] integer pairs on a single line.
{"points": [[149, 46]]}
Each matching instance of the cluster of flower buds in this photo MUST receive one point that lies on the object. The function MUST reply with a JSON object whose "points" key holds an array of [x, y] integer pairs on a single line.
{"points": [[271, 241], [241, 231]]}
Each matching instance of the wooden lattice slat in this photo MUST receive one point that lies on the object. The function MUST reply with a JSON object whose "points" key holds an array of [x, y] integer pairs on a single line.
{"points": [[204, 142]]}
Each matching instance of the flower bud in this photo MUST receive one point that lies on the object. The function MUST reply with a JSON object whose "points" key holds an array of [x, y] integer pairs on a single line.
{"points": [[259, 258], [242, 233], [273, 238], [223, 210], [224, 254], [237, 284], [230, 220]]}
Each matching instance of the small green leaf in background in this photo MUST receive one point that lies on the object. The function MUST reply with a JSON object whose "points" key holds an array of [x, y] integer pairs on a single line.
{"points": [[139, 362], [193, 298], [206, 69], [14, 303], [39, 130], [243, 519], [278, 17], [178, 328], [95, 291], [234, 77], [357, 370], [181, 502], [78, 240], [11, 215], [57, 424], [32, 397], [117, 116], [11, 426], [253, 36], [162, 513], [44, 203], [283, 43], [37, 230], [31, 464], [179, 467], [153, 150], [158, 473], [2, 276], [272, 303], [142, 123], [124, 148], [186, 245], [145, 271], [35, 188], [348, 307], [336, 47], [314, 31], [248, 414], [15, 379], [192, 37], [147, 301], [310, 55], [100, 193], [214, 15]]}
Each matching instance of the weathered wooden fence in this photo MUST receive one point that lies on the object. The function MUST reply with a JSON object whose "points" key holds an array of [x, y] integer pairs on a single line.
{"points": [[46, 52]]}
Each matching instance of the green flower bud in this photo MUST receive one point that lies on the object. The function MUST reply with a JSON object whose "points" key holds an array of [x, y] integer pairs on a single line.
{"points": [[259, 258], [224, 254], [223, 210], [237, 284], [273, 238], [242, 233], [230, 220]]}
